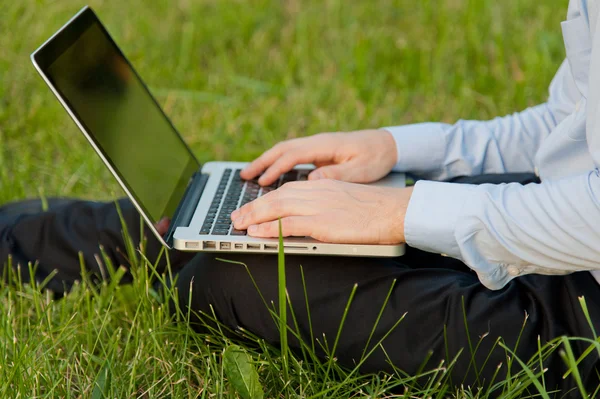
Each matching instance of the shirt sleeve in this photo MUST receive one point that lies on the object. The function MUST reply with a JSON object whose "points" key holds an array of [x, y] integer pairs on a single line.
{"points": [[503, 231], [439, 151], [507, 230]]}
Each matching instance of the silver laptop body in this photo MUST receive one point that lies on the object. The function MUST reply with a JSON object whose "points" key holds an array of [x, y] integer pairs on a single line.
{"points": [[125, 125]]}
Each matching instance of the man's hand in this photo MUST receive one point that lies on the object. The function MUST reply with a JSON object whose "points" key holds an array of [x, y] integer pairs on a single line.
{"points": [[329, 211], [162, 226], [363, 156]]}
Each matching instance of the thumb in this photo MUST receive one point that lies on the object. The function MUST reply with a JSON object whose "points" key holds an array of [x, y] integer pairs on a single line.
{"points": [[336, 172]]}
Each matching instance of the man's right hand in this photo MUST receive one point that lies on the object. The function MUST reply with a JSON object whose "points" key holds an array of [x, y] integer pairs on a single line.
{"points": [[363, 156]]}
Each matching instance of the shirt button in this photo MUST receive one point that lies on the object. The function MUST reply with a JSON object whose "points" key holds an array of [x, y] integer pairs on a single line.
{"points": [[513, 271]]}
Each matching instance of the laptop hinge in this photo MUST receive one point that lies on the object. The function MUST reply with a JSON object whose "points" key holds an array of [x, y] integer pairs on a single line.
{"points": [[187, 206]]}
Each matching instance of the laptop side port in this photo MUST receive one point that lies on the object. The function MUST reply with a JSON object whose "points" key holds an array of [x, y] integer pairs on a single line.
{"points": [[192, 245], [253, 246], [209, 245], [271, 247], [239, 246], [225, 245], [295, 247]]}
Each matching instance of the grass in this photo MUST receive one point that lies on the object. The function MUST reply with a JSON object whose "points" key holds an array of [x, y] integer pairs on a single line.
{"points": [[236, 77]]}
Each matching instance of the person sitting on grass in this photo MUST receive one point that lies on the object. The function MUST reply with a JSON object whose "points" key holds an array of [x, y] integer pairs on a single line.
{"points": [[483, 255]]}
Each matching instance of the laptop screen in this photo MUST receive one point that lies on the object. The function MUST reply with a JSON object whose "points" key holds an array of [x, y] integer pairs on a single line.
{"points": [[123, 119]]}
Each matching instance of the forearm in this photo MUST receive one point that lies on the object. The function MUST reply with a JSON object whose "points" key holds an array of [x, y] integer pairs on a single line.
{"points": [[439, 151], [503, 231]]}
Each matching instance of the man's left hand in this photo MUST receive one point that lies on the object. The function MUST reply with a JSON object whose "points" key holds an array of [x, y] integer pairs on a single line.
{"points": [[329, 211]]}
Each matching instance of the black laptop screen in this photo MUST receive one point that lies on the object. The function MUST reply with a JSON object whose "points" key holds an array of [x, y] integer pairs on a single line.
{"points": [[124, 121]]}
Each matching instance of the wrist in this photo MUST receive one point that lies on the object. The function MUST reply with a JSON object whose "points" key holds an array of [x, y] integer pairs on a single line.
{"points": [[390, 152], [400, 198]]}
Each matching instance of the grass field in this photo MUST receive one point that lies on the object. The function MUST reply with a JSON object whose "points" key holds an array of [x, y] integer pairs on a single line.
{"points": [[237, 76]]}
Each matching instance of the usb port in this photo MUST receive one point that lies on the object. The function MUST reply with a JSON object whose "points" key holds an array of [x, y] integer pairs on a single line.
{"points": [[209, 245], [225, 245], [239, 246], [253, 246], [295, 247], [271, 247]]}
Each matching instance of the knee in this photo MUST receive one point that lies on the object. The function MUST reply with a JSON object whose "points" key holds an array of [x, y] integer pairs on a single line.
{"points": [[210, 290]]}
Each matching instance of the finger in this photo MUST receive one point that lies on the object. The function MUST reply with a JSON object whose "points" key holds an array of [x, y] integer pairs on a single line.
{"points": [[250, 206], [286, 163], [275, 210], [314, 149], [348, 171], [297, 226], [294, 189], [336, 172], [261, 163]]}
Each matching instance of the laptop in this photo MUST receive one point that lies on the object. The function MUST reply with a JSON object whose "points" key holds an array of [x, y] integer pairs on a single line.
{"points": [[126, 126]]}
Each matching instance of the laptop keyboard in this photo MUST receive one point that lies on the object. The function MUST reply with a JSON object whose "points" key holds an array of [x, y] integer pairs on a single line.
{"points": [[232, 193]]}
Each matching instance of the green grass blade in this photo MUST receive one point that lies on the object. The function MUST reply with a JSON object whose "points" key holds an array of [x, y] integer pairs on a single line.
{"points": [[282, 290]]}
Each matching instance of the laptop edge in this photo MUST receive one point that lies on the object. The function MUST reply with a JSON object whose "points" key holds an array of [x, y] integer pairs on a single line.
{"points": [[167, 239], [186, 218]]}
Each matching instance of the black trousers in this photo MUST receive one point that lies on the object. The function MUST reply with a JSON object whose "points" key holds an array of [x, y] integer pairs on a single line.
{"points": [[443, 303]]}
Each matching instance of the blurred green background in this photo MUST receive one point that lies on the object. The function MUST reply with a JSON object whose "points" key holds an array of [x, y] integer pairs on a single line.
{"points": [[237, 76]]}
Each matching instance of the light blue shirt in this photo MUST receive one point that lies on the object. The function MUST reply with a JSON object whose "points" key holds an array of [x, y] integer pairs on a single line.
{"points": [[508, 230]]}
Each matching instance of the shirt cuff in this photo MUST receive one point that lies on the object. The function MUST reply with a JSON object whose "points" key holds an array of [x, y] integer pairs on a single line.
{"points": [[420, 146], [433, 212], [432, 222]]}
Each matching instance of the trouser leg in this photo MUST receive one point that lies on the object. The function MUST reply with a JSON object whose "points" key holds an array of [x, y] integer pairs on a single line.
{"points": [[428, 288], [445, 310], [53, 239], [443, 306]]}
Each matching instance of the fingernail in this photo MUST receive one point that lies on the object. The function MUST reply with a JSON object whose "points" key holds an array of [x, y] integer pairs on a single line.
{"points": [[234, 214], [316, 175], [252, 229]]}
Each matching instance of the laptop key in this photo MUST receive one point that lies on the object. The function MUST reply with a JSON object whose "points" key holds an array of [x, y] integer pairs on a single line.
{"points": [[221, 226], [235, 232], [290, 176]]}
